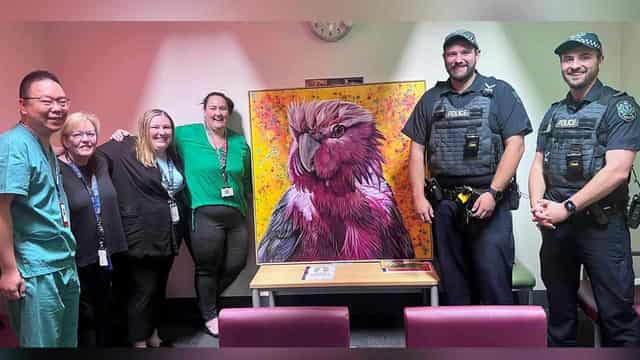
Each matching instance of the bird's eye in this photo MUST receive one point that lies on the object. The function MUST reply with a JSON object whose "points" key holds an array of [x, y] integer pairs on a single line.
{"points": [[337, 131]]}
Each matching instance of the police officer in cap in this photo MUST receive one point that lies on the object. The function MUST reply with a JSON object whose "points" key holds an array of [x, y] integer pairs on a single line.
{"points": [[578, 184], [471, 129]]}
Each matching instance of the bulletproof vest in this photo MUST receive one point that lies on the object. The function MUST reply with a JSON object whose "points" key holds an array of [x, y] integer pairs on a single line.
{"points": [[574, 145], [462, 143]]}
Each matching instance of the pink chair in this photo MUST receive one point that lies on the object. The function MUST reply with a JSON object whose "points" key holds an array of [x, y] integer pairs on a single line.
{"points": [[475, 326], [313, 326], [8, 338]]}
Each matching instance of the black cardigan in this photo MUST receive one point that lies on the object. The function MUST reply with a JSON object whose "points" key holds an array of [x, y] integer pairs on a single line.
{"points": [[146, 218], [83, 219]]}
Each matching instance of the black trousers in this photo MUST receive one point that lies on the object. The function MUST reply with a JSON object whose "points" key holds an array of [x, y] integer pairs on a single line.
{"points": [[146, 304], [94, 318], [605, 251], [474, 260], [218, 245]]}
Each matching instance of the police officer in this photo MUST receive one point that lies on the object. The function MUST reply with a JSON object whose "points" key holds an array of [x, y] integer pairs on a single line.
{"points": [[579, 189], [471, 128]]}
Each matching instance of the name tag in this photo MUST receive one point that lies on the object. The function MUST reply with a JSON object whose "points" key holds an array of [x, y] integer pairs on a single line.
{"points": [[452, 114], [567, 123], [65, 215], [226, 192], [102, 258], [173, 209]]}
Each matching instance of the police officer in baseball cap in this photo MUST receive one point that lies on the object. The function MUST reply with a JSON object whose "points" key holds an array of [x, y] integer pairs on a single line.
{"points": [[578, 187], [471, 130]]}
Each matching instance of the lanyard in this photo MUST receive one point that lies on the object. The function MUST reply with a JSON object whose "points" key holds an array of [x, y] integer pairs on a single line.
{"points": [[93, 191], [222, 153], [55, 170], [94, 198], [168, 180]]}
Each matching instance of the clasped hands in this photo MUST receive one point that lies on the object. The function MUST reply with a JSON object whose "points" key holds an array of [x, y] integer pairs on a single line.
{"points": [[548, 214]]}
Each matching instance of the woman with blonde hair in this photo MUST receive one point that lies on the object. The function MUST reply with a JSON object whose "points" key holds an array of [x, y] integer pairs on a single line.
{"points": [[95, 223], [147, 174]]}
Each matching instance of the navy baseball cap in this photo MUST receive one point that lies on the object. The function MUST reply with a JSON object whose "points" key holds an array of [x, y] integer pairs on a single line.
{"points": [[587, 39], [461, 34]]}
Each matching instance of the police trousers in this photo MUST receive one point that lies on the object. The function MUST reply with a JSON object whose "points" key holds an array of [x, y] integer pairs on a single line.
{"points": [[475, 259], [48, 314], [605, 252]]}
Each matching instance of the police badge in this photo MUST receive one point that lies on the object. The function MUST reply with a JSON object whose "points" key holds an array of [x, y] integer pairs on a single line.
{"points": [[626, 110]]}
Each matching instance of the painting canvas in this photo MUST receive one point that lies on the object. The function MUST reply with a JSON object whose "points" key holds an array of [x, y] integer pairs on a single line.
{"points": [[330, 174]]}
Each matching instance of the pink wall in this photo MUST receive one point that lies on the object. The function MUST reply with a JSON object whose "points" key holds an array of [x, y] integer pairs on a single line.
{"points": [[23, 47]]}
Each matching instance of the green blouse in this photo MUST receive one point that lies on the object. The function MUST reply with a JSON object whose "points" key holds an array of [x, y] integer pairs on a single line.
{"points": [[202, 168]]}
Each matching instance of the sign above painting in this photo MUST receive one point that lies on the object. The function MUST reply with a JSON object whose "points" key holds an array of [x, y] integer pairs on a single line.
{"points": [[330, 174], [354, 80]]}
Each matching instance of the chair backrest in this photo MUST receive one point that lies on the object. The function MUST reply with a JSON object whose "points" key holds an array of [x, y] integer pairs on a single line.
{"points": [[284, 326], [477, 326]]}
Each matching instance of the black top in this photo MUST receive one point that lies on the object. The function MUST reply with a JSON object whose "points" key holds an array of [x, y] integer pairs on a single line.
{"points": [[83, 219], [144, 202], [507, 115], [620, 119]]}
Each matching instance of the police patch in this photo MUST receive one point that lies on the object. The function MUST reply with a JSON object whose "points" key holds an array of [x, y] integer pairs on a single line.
{"points": [[626, 110]]}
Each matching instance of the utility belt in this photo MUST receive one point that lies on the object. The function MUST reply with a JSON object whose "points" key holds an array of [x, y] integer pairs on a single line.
{"points": [[466, 196], [600, 212]]}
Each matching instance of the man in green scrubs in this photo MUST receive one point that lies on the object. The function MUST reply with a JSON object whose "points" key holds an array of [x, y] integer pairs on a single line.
{"points": [[37, 267]]}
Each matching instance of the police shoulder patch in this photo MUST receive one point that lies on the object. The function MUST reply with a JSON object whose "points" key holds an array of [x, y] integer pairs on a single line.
{"points": [[626, 110]]}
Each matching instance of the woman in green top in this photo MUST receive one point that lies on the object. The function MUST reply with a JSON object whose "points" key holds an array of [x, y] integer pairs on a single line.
{"points": [[218, 177]]}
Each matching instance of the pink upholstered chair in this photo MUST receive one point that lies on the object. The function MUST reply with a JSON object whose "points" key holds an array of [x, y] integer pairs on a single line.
{"points": [[300, 326], [8, 338], [476, 326]]}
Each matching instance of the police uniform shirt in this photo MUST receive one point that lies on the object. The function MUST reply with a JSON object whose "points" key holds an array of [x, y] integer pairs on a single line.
{"points": [[507, 115], [620, 119]]}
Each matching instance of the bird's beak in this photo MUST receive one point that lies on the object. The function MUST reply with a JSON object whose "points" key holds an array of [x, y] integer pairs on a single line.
{"points": [[307, 149]]}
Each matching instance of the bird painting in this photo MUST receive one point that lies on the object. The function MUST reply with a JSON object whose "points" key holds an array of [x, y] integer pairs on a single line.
{"points": [[339, 206]]}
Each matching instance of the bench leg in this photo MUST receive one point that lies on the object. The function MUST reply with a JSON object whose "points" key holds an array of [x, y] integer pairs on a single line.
{"points": [[434, 296], [256, 298]]}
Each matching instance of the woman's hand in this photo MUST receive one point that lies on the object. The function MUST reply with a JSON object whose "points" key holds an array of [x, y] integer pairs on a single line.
{"points": [[119, 135]]}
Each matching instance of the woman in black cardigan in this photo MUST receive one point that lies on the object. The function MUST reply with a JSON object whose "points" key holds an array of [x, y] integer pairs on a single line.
{"points": [[95, 223], [147, 175]]}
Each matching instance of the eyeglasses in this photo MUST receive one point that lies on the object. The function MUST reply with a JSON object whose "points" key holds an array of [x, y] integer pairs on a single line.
{"points": [[77, 135], [48, 101]]}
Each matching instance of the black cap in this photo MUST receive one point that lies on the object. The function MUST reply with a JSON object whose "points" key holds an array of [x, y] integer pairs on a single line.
{"points": [[461, 34], [587, 39]]}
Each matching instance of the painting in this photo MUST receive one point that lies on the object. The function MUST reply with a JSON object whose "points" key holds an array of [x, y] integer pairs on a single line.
{"points": [[330, 174]]}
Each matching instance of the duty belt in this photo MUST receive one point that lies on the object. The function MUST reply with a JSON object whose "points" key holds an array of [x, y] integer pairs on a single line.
{"points": [[462, 193]]}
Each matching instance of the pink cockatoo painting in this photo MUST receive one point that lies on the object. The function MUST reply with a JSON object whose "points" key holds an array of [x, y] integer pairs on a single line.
{"points": [[339, 205]]}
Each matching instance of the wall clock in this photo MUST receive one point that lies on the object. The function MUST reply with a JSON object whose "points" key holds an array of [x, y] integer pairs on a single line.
{"points": [[330, 30]]}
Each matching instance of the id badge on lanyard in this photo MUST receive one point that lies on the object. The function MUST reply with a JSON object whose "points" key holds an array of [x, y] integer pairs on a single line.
{"points": [[64, 213], [173, 209]]}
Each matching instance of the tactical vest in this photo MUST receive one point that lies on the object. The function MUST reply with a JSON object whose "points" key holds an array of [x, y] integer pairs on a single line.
{"points": [[575, 145], [462, 143]]}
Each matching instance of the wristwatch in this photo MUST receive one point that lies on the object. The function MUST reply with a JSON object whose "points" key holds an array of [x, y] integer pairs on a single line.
{"points": [[497, 194], [570, 206]]}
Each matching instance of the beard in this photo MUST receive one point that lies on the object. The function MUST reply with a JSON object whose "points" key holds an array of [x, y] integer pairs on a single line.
{"points": [[462, 77], [586, 81]]}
